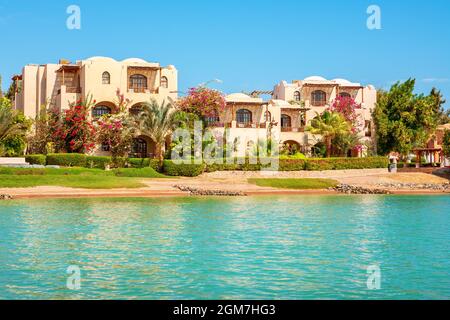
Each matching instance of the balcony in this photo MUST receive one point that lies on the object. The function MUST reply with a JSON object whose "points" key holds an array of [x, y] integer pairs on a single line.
{"points": [[291, 129], [246, 125], [70, 90], [318, 103], [216, 125]]}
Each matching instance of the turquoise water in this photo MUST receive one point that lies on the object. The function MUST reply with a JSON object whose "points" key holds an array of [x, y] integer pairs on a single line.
{"points": [[296, 247]]}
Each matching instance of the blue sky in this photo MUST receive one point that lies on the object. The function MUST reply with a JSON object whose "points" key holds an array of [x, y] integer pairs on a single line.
{"points": [[249, 45]]}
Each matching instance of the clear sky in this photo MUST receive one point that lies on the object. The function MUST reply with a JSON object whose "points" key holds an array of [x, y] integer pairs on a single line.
{"points": [[251, 44]]}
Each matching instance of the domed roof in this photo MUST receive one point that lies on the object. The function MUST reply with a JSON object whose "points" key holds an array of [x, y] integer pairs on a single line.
{"points": [[134, 60], [238, 96], [99, 58], [241, 97], [315, 78], [279, 103], [341, 81]]}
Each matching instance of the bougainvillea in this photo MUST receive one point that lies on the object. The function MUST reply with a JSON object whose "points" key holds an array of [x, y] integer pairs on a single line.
{"points": [[347, 107], [116, 130], [203, 102], [73, 131]]}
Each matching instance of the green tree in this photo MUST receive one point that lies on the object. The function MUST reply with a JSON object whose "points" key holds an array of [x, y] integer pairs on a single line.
{"points": [[346, 141], [157, 121], [329, 125], [446, 143], [403, 119], [438, 106], [13, 127]]}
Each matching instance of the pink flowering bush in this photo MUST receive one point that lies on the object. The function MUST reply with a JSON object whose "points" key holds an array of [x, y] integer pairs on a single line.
{"points": [[72, 131], [203, 102], [347, 107], [116, 130]]}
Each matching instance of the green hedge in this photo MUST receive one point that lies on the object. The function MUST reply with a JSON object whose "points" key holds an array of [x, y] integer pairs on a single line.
{"points": [[97, 162], [309, 164], [345, 163], [191, 170], [67, 159], [36, 159], [183, 170], [143, 163]]}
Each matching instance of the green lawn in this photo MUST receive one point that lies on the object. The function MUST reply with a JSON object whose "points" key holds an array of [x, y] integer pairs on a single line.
{"points": [[76, 178], [299, 184]]}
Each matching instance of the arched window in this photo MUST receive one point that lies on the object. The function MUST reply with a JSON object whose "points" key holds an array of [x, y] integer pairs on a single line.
{"points": [[106, 78], [106, 147], [244, 116], [345, 95], [318, 98], [164, 82], [285, 121], [139, 148], [297, 96], [138, 82], [99, 111], [136, 110], [212, 120], [267, 116]]}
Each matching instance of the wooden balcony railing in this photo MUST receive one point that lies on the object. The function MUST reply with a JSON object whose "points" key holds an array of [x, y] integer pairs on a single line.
{"points": [[138, 89], [246, 125], [216, 124], [291, 129], [144, 90], [318, 103], [71, 90]]}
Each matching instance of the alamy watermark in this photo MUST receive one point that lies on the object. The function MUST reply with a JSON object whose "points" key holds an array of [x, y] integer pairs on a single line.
{"points": [[374, 19], [374, 277], [225, 147], [73, 22], [74, 279]]}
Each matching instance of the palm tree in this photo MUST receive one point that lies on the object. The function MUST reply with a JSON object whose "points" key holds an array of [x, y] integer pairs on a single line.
{"points": [[157, 121], [329, 125], [345, 142], [8, 125]]}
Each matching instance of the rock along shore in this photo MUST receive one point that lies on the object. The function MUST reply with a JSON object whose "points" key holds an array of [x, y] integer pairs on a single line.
{"points": [[349, 189], [200, 192]]}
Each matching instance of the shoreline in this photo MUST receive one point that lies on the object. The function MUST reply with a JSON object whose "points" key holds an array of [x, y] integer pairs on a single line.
{"points": [[236, 182], [179, 194]]}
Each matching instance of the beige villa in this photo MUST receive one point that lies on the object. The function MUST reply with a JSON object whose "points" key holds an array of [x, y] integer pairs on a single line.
{"points": [[58, 85], [291, 108], [248, 117]]}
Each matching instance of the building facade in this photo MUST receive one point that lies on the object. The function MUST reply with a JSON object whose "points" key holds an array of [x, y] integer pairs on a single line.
{"points": [[248, 118], [58, 85], [291, 110]]}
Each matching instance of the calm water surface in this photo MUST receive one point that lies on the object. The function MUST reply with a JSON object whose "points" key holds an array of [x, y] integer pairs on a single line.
{"points": [[303, 247]]}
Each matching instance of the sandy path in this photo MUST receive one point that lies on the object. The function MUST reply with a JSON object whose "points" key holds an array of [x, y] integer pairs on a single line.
{"points": [[235, 181]]}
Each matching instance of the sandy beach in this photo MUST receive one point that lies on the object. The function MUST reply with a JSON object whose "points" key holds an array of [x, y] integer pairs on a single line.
{"points": [[237, 182]]}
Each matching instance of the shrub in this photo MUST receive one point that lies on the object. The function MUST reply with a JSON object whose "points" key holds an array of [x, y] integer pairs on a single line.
{"points": [[67, 159], [147, 172], [309, 164], [144, 162], [183, 170], [139, 162], [97, 162], [346, 163], [292, 164], [36, 159]]}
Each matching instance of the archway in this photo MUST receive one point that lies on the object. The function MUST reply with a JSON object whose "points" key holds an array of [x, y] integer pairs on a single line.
{"points": [[102, 108], [292, 147], [142, 147]]}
